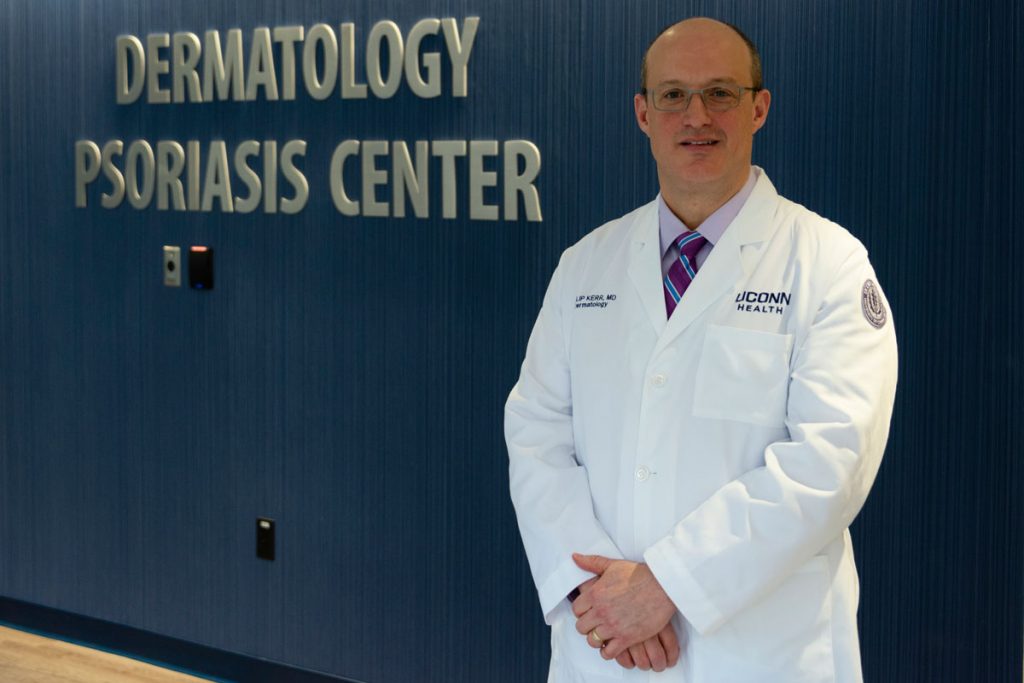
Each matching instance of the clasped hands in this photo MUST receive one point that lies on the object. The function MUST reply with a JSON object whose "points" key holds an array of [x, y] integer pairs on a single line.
{"points": [[625, 614]]}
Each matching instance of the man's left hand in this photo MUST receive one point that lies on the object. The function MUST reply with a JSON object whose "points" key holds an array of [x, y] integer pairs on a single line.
{"points": [[626, 604]]}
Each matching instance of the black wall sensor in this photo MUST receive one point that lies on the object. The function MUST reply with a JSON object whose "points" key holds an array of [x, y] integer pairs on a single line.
{"points": [[200, 267]]}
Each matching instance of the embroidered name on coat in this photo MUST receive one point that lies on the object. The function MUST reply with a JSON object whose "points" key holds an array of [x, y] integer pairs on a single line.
{"points": [[594, 300], [762, 302]]}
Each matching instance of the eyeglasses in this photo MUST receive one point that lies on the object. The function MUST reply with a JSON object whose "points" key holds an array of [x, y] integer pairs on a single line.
{"points": [[717, 98]]}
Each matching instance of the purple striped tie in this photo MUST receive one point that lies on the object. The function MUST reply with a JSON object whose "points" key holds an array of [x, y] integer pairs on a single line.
{"points": [[683, 269]]}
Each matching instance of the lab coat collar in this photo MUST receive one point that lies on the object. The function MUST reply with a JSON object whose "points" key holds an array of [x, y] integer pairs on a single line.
{"points": [[645, 264], [733, 257], [754, 223]]}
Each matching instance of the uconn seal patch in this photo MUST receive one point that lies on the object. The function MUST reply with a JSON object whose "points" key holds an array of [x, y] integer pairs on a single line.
{"points": [[871, 303]]}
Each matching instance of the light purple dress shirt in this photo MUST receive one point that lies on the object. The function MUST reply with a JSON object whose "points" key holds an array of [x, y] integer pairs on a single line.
{"points": [[712, 228]]}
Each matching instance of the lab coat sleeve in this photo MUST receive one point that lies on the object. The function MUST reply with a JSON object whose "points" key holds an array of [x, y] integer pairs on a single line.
{"points": [[550, 489], [754, 532]]}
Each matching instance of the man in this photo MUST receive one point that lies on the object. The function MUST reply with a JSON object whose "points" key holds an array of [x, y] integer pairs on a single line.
{"points": [[703, 408]]}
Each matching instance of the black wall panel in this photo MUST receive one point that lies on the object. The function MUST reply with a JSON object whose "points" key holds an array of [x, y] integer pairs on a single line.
{"points": [[346, 375]]}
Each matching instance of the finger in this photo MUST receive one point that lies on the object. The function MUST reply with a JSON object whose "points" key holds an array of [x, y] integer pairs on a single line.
{"points": [[594, 639], [670, 642], [591, 563], [581, 605], [586, 585], [655, 653], [639, 655], [625, 661], [613, 648], [587, 623]]}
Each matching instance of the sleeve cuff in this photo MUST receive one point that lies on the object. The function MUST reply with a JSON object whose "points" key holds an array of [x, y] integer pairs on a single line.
{"points": [[568, 576], [682, 588]]}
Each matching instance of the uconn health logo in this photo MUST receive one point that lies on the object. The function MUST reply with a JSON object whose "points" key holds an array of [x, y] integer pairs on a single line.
{"points": [[762, 302]]}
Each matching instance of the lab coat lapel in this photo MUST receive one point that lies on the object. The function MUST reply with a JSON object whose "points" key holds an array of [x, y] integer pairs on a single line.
{"points": [[730, 261], [645, 265]]}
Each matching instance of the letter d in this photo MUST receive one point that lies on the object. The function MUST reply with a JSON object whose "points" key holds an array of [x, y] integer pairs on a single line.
{"points": [[129, 49]]}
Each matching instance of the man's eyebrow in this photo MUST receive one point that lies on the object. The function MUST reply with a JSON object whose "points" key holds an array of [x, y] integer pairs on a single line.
{"points": [[709, 82]]}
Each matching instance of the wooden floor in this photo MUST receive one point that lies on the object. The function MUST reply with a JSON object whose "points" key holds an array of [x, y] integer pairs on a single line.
{"points": [[28, 658]]}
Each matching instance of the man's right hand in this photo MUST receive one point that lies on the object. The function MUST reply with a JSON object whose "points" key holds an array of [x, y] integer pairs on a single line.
{"points": [[659, 653]]}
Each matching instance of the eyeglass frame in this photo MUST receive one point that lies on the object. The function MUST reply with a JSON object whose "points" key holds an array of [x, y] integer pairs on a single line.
{"points": [[690, 92]]}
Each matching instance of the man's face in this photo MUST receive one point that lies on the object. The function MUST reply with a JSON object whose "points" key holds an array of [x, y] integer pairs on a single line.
{"points": [[696, 150]]}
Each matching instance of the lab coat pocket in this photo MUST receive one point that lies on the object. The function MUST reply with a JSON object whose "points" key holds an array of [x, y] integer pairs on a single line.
{"points": [[573, 657], [786, 637], [743, 375]]}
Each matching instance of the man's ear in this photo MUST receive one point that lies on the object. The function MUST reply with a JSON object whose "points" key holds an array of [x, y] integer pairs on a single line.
{"points": [[640, 109], [762, 102]]}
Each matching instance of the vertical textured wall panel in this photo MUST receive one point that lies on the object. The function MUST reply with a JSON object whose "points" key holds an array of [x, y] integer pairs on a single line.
{"points": [[347, 375]]}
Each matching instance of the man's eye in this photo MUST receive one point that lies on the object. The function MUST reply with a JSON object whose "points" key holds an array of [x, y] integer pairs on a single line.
{"points": [[721, 94], [672, 94]]}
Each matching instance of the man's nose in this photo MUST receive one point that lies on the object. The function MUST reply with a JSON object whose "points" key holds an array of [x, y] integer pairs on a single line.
{"points": [[695, 110]]}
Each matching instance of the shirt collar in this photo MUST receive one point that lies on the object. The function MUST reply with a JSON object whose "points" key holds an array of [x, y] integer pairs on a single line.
{"points": [[714, 225]]}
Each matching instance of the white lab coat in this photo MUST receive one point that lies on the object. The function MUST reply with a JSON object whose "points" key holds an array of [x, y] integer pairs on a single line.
{"points": [[729, 447]]}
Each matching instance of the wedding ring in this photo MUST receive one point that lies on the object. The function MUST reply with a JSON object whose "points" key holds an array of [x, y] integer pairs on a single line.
{"points": [[597, 638]]}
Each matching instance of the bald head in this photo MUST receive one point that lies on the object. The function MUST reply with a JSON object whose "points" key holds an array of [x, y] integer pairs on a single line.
{"points": [[706, 26]]}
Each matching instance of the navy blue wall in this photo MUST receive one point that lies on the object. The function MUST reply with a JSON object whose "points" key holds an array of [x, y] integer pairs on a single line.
{"points": [[347, 375]]}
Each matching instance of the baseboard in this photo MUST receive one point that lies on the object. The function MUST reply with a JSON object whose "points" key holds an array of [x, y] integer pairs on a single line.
{"points": [[172, 653]]}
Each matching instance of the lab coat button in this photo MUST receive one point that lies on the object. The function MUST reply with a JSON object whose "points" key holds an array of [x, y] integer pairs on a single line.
{"points": [[642, 473], [658, 380]]}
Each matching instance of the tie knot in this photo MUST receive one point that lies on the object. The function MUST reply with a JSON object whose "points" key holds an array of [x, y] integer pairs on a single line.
{"points": [[690, 243]]}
